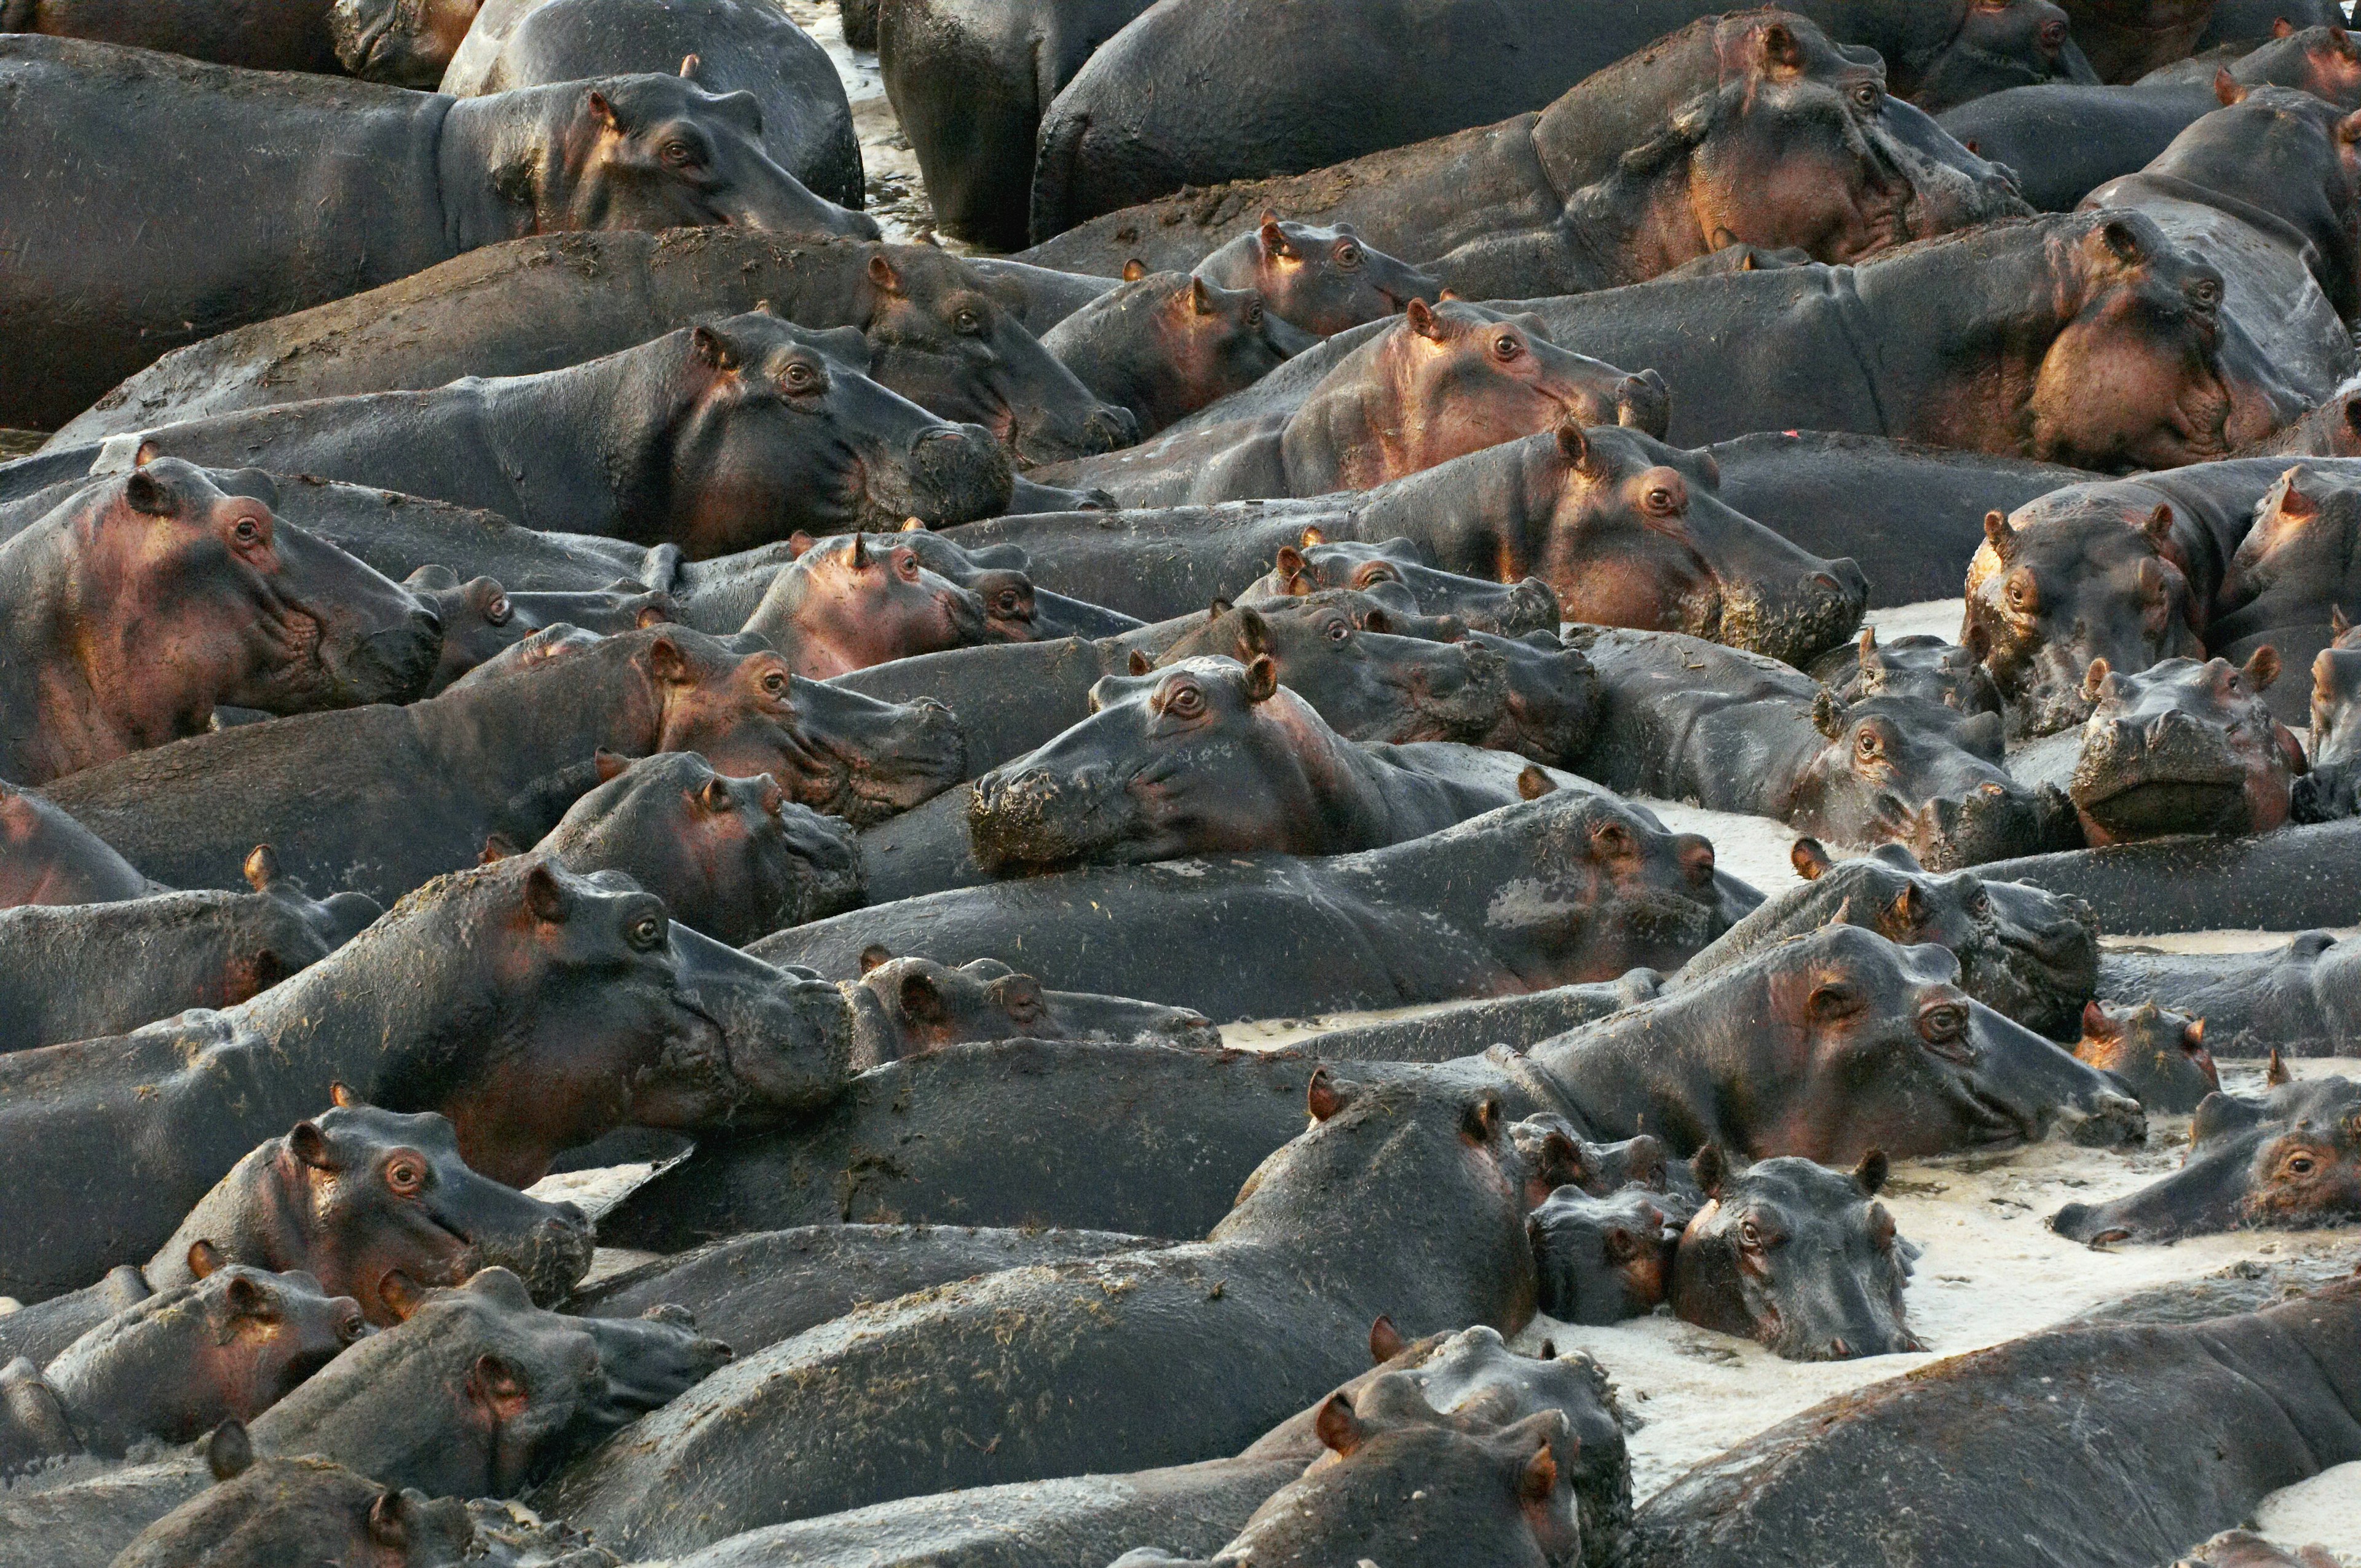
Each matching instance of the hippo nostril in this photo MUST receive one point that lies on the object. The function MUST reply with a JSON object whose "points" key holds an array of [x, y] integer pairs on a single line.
{"points": [[1828, 580]]}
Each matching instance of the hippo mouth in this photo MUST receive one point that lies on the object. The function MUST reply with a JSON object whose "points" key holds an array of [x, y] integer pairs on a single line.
{"points": [[1039, 821], [1992, 823], [2175, 777]]}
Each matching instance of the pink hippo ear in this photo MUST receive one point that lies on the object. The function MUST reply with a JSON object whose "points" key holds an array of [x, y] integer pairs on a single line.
{"points": [[2261, 668], [261, 868], [1340, 1430], [608, 765], [1386, 1342], [881, 275], [1262, 679], [1134, 270], [2228, 88], [203, 1258], [545, 897], [714, 349], [230, 1453], [1139, 664], [2096, 1025], [1422, 319], [1273, 238], [1532, 782], [688, 64], [1872, 1171], [1200, 302], [602, 111]]}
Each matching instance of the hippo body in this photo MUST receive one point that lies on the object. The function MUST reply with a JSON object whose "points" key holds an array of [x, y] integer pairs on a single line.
{"points": [[2289, 880], [2269, 1397], [45, 857], [546, 302], [387, 182], [2302, 1000], [280, 34]]}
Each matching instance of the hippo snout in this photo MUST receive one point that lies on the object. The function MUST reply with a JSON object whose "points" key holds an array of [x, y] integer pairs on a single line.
{"points": [[1110, 429], [1991, 822], [1531, 606], [2082, 1223], [955, 474], [2105, 1119]]}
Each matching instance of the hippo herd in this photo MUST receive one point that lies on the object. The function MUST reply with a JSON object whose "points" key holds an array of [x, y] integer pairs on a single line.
{"points": [[1080, 846]]}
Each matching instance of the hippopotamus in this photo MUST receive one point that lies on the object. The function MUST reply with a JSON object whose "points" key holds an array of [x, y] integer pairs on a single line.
{"points": [[724, 46], [2287, 880], [2264, 188], [1685, 720], [2332, 430], [285, 35], [481, 620], [2287, 585], [2028, 955], [2298, 999], [226, 1347], [2159, 1054], [748, 429], [1624, 176], [1557, 1157], [389, 182], [2125, 40], [730, 857], [1927, 668], [143, 601], [1402, 1200], [606, 1012], [74, 971], [904, 1007], [941, 332], [1444, 382], [1163, 345], [1323, 280], [1102, 150], [2180, 747], [1888, 1053], [405, 43], [851, 604], [1607, 889], [384, 799], [2270, 1394], [1624, 529], [45, 857], [2293, 1160], [1603, 1259], [1315, 562], [1475, 1490], [2063, 141], [306, 1511], [1796, 1257]]}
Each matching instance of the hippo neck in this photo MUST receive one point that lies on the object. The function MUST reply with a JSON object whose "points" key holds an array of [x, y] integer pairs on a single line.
{"points": [[1984, 309], [502, 163], [1488, 514], [617, 418], [1579, 137], [1636, 223], [1347, 431]]}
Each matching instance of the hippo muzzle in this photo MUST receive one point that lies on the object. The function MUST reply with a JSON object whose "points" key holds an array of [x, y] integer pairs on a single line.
{"points": [[2171, 773], [1041, 817], [785, 1041], [1991, 822], [1815, 613], [949, 474]]}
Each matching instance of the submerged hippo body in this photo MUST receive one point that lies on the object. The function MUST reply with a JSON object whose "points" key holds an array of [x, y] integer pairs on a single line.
{"points": [[387, 182], [2302, 1000], [2289, 880], [905, 1007], [2269, 1395], [1551, 198], [940, 330]]}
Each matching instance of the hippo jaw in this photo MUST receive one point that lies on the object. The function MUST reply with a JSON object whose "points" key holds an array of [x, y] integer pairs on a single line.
{"points": [[1992, 822], [2174, 774], [864, 761], [2042, 963]]}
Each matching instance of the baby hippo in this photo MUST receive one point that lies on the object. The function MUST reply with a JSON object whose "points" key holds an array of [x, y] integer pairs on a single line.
{"points": [[1164, 345], [851, 602], [1605, 1259], [1322, 280], [1557, 1156], [186, 1359], [2161, 1057], [732, 858], [903, 1007], [1317, 563], [1797, 1257]]}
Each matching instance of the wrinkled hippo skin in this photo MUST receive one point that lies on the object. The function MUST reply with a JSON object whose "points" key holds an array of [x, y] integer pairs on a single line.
{"points": [[2270, 1396]]}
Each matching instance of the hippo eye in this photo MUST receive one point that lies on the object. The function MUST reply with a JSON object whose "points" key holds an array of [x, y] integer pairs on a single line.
{"points": [[1661, 502], [647, 931], [405, 1176], [775, 682], [1749, 1235], [1186, 702], [678, 154], [1007, 603], [2018, 596], [1339, 629], [499, 611], [1943, 1023], [2206, 294], [351, 1329], [907, 566], [968, 323], [801, 377], [1505, 348], [1865, 96], [247, 532], [2300, 1165], [1348, 255], [1868, 742]]}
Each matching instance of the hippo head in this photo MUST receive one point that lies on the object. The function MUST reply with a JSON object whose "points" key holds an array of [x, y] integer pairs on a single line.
{"points": [[2000, 44], [2293, 1160], [2183, 747], [2307, 143], [2159, 1056], [2069, 579], [1169, 344], [905, 1007], [2323, 62], [2336, 691], [835, 750], [781, 429], [402, 43], [2307, 526], [1318, 562], [1927, 668], [1202, 756], [481, 620], [938, 338], [1604, 1259], [281, 928], [1325, 281], [994, 574], [2146, 371], [851, 602], [1639, 536], [1457, 378], [359, 1193], [1797, 1257], [1907, 770], [301, 1510], [1556, 1155], [478, 1392], [226, 1347], [47, 857], [732, 856], [1367, 684], [649, 151], [2028, 954]]}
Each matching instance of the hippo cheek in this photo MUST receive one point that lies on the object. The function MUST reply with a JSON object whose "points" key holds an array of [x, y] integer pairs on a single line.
{"points": [[2113, 395]]}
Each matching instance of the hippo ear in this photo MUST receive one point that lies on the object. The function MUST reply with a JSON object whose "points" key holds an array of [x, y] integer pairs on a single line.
{"points": [[1810, 858], [667, 663], [2124, 241], [710, 345], [498, 1388], [688, 64], [1573, 447], [150, 495], [1340, 1430], [882, 276], [308, 1144], [1375, 619], [1480, 1124], [2261, 668], [246, 1298], [1200, 302], [1386, 1342], [714, 798], [2000, 535], [1780, 48], [1289, 563], [497, 847], [1273, 237], [342, 1096], [261, 868], [1324, 1095], [920, 1000], [1421, 320], [1872, 1171], [1828, 714], [2096, 1025], [389, 1522], [1532, 782], [2158, 526], [229, 1452], [1262, 679], [2282, 27], [1710, 1169], [1909, 912], [1134, 270], [797, 544], [2339, 623], [2228, 88], [2348, 131], [872, 955], [545, 896], [1139, 664], [2094, 680], [1254, 634], [402, 1295], [601, 110], [2276, 1074], [204, 1257], [1313, 535]]}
